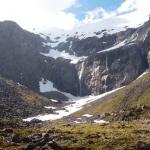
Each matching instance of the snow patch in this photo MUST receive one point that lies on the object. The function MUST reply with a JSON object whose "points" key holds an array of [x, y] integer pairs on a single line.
{"points": [[53, 100], [50, 107], [87, 115], [71, 108], [101, 122], [77, 122], [143, 74], [121, 44], [114, 47], [56, 54], [46, 86]]}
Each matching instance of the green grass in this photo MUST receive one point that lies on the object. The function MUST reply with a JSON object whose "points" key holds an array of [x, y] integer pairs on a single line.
{"points": [[114, 136], [24, 132], [27, 95], [135, 94]]}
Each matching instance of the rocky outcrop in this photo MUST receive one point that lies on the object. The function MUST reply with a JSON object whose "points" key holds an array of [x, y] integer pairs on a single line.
{"points": [[148, 57], [21, 61], [20, 102], [109, 70], [34, 141]]}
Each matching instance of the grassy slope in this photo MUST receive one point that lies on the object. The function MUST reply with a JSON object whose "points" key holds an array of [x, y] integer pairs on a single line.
{"points": [[27, 95], [135, 94], [90, 136], [115, 136]]}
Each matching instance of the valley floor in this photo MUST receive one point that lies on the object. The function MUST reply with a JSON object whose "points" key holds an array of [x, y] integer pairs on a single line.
{"points": [[113, 136]]}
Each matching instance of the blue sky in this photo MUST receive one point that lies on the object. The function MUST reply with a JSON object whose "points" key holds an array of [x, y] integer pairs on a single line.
{"points": [[89, 5]]}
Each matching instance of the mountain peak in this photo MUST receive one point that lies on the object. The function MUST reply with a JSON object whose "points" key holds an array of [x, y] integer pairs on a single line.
{"points": [[9, 24]]}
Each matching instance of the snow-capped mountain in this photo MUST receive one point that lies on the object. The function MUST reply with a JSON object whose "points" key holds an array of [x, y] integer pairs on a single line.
{"points": [[103, 56], [87, 61]]}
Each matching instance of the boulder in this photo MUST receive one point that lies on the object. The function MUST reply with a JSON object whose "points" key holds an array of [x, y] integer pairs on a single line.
{"points": [[140, 145], [15, 138], [54, 145], [30, 146], [7, 130]]}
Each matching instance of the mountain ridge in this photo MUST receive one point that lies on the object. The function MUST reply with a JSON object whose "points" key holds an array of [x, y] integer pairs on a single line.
{"points": [[109, 61]]}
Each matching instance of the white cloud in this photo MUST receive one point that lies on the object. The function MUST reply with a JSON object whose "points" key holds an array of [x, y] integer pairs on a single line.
{"points": [[135, 11], [130, 13], [97, 14], [127, 6], [38, 13], [51, 13]]}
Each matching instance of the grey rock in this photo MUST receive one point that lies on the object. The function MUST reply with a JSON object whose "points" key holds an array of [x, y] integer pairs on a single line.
{"points": [[7, 130], [30, 146], [15, 138]]}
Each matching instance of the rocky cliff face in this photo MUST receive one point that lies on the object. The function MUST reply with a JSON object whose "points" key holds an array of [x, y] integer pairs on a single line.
{"points": [[21, 61], [75, 63], [148, 57], [106, 71], [113, 59]]}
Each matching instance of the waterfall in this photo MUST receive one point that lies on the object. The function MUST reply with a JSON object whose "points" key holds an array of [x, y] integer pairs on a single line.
{"points": [[106, 63], [80, 76], [106, 76], [105, 83]]}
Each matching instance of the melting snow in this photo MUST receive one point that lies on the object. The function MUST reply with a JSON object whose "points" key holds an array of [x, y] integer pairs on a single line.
{"points": [[46, 86], [121, 44], [50, 107], [53, 100], [142, 75], [56, 54], [71, 108], [77, 122], [87, 115], [101, 121], [114, 47]]}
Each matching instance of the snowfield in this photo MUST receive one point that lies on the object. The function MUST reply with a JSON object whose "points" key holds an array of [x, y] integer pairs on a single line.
{"points": [[56, 54], [48, 86], [58, 36], [76, 105]]}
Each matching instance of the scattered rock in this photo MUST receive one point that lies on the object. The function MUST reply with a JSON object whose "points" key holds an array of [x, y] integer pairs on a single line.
{"points": [[45, 135], [7, 130], [30, 146], [26, 139], [140, 145], [54, 145], [15, 138], [139, 109], [35, 121]]}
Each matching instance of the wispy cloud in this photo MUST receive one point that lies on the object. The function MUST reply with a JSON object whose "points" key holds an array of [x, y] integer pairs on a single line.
{"points": [[97, 14], [130, 13]]}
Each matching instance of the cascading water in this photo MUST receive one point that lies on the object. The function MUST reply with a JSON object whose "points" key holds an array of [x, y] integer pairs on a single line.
{"points": [[105, 82], [81, 76], [106, 63], [106, 76]]}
